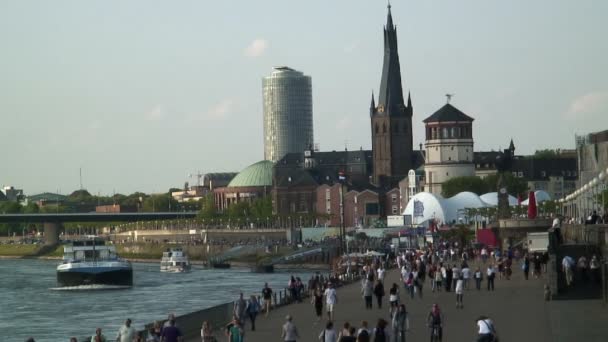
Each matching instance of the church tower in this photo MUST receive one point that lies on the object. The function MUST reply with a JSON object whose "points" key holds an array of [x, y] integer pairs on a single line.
{"points": [[391, 118]]}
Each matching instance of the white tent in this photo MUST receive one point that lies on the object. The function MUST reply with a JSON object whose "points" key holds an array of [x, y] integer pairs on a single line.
{"points": [[491, 198], [540, 195], [441, 209]]}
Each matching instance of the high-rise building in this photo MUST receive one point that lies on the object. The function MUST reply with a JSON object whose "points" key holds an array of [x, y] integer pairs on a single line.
{"points": [[391, 119], [288, 123]]}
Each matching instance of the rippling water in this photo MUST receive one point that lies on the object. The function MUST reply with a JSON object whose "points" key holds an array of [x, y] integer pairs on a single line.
{"points": [[29, 306]]}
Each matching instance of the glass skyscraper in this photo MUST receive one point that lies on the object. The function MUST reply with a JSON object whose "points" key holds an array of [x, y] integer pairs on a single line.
{"points": [[287, 113]]}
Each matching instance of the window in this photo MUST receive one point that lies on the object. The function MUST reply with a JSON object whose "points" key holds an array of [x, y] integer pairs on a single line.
{"points": [[447, 174], [449, 158], [543, 174], [377, 129], [520, 174], [452, 148], [394, 198], [514, 174], [395, 210]]}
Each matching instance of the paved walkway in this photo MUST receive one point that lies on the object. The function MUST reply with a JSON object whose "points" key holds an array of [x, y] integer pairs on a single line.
{"points": [[517, 307]]}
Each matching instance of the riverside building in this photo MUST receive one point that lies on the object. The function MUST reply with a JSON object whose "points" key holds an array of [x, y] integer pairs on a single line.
{"points": [[287, 113]]}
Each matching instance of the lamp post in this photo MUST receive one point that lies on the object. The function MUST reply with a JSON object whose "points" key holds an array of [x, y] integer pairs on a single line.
{"points": [[341, 179]]}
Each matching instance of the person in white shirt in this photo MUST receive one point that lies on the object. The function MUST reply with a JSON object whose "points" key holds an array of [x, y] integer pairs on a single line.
{"points": [[290, 331], [126, 333], [459, 293], [466, 275], [381, 274], [486, 332], [491, 274], [331, 298]]}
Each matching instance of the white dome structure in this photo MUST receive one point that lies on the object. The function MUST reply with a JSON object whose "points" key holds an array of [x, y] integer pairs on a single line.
{"points": [[491, 198], [443, 210], [540, 196]]}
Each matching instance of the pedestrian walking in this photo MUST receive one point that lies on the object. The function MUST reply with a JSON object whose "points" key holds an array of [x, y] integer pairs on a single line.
{"points": [[126, 333], [317, 302], [379, 292], [367, 290], [393, 298], [267, 295], [449, 273], [331, 299], [328, 334], [400, 324], [567, 265], [171, 333], [98, 337], [380, 331], [459, 292], [526, 266], [466, 275], [252, 310], [486, 331], [235, 330], [478, 278], [207, 333], [491, 273], [290, 331], [239, 309]]}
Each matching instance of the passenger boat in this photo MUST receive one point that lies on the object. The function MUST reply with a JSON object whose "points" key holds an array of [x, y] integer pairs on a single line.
{"points": [[175, 260], [93, 262]]}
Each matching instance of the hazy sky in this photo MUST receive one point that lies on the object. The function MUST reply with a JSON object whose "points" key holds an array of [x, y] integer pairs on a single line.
{"points": [[142, 93]]}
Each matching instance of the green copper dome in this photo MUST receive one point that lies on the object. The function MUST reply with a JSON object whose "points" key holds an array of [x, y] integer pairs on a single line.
{"points": [[258, 174]]}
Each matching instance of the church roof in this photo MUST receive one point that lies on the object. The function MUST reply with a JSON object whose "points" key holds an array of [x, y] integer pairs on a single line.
{"points": [[448, 113]]}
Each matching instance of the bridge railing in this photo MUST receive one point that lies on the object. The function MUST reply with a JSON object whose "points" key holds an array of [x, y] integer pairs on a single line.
{"points": [[595, 234]]}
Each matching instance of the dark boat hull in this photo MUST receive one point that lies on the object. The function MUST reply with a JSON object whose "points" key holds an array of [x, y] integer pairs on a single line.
{"points": [[119, 277], [220, 265]]}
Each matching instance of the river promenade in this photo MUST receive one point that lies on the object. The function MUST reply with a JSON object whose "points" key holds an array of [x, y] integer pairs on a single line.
{"points": [[516, 306]]}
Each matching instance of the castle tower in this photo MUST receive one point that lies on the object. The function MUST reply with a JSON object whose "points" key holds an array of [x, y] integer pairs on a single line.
{"points": [[391, 118], [449, 147]]}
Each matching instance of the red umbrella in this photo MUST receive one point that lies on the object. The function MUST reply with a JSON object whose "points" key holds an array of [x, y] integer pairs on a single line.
{"points": [[532, 205]]}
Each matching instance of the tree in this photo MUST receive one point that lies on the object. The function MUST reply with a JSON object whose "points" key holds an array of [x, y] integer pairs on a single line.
{"points": [[459, 184], [161, 202], [208, 210], [515, 186], [546, 154], [262, 207], [30, 208]]}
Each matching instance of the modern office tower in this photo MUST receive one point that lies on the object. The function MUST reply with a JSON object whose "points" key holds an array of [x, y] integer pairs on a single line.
{"points": [[287, 113]]}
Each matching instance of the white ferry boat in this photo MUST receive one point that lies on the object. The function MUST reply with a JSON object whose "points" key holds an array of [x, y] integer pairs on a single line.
{"points": [[92, 262], [175, 260]]}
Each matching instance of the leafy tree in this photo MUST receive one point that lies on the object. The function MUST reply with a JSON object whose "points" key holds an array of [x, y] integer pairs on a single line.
{"points": [[546, 154], [30, 208], [208, 210], [515, 186], [239, 209], [262, 207], [459, 184], [160, 202]]}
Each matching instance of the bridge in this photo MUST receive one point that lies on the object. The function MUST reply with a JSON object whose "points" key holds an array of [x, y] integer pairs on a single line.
{"points": [[52, 221]]}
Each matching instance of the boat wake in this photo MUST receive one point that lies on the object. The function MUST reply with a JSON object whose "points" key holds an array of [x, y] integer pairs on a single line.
{"points": [[93, 287]]}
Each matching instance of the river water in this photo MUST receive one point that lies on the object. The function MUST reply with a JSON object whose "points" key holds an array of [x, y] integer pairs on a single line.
{"points": [[30, 306]]}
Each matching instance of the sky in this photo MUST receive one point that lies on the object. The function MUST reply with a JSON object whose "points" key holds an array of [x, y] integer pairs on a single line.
{"points": [[142, 94]]}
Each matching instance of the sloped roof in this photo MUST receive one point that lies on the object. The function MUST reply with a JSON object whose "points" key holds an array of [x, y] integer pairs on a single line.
{"points": [[448, 113], [47, 196], [258, 174]]}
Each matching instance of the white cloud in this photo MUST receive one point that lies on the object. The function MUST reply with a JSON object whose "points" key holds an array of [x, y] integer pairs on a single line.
{"points": [[587, 104], [256, 48], [220, 110], [155, 114]]}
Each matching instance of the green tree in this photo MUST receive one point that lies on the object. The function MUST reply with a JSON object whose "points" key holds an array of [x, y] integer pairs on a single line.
{"points": [[546, 154], [459, 184], [30, 208], [262, 207], [515, 186], [208, 210], [239, 209], [160, 202]]}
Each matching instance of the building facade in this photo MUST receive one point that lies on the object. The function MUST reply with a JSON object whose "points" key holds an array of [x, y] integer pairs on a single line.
{"points": [[592, 154], [288, 123], [391, 118], [449, 147]]}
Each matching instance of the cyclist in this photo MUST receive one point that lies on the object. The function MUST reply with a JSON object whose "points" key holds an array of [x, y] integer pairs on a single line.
{"points": [[435, 320]]}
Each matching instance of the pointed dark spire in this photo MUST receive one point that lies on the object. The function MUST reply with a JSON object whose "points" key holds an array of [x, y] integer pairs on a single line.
{"points": [[409, 100], [511, 145], [373, 105], [389, 18], [391, 70]]}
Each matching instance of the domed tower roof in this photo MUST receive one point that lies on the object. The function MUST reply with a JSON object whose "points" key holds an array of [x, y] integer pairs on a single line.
{"points": [[258, 174], [448, 113]]}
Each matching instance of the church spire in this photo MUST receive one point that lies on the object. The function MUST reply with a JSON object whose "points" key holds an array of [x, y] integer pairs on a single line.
{"points": [[409, 100], [389, 18], [391, 70]]}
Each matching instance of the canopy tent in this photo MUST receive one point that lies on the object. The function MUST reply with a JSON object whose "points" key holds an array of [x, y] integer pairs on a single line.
{"points": [[540, 196]]}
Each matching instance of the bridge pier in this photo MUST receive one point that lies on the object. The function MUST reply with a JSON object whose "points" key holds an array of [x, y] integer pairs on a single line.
{"points": [[51, 233]]}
